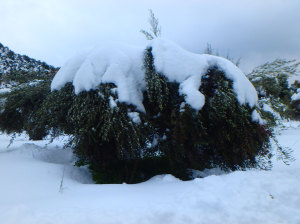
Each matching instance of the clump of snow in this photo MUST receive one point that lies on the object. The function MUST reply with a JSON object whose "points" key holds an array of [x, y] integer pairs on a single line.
{"points": [[123, 66], [181, 109], [164, 178], [4, 90], [296, 96], [256, 118], [112, 102], [68, 71], [155, 140], [294, 78], [135, 117], [267, 107]]}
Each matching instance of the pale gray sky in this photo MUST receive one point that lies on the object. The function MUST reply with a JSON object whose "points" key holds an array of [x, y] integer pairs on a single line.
{"points": [[53, 30]]}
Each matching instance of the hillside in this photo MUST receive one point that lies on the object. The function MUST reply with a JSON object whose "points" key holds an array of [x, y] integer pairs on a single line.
{"points": [[12, 64]]}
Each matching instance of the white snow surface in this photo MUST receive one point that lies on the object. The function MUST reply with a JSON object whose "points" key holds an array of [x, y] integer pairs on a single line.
{"points": [[30, 191], [296, 96], [123, 65]]}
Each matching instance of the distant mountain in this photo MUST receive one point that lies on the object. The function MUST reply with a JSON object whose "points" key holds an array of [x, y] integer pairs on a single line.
{"points": [[20, 65]]}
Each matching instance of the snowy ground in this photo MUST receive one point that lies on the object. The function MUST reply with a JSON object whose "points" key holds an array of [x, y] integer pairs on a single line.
{"points": [[31, 192]]}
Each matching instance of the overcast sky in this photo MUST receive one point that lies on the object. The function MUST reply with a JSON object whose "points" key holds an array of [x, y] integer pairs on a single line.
{"points": [[54, 30]]}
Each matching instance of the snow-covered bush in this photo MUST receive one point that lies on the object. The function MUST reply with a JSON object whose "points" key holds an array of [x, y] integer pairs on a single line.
{"points": [[272, 81], [134, 113]]}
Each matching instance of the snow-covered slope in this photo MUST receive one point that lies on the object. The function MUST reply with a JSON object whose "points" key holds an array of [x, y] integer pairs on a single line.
{"points": [[13, 65], [9, 61], [32, 191]]}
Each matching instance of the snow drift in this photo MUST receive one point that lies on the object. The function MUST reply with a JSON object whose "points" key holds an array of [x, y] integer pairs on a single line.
{"points": [[31, 176]]}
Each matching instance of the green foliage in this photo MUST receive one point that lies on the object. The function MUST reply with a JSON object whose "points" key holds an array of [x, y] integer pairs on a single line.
{"points": [[19, 77], [237, 140], [20, 112]]}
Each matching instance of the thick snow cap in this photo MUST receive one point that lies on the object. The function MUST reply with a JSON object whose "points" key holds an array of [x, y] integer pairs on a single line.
{"points": [[187, 68], [111, 63], [123, 66]]}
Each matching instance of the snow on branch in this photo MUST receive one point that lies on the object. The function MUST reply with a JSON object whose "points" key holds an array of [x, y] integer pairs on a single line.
{"points": [[123, 66]]}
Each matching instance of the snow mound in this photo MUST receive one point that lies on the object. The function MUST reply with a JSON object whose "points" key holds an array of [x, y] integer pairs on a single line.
{"points": [[164, 178], [42, 152], [123, 65], [135, 117]]}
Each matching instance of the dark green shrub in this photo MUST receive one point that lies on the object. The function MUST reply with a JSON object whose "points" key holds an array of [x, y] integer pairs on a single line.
{"points": [[294, 109], [222, 133], [20, 110]]}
